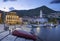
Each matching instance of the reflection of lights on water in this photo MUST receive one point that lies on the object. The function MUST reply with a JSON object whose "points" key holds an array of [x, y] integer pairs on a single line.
{"points": [[56, 26], [18, 28], [50, 27], [38, 29]]}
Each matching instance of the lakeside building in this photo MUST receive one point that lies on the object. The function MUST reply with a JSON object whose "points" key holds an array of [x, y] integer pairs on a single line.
{"points": [[12, 18], [41, 19], [36, 20], [54, 15], [0, 17]]}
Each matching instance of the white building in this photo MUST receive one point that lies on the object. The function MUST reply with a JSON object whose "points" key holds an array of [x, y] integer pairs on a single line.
{"points": [[41, 19]]}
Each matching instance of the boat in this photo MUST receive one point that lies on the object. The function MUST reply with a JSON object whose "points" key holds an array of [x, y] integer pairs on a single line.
{"points": [[24, 34]]}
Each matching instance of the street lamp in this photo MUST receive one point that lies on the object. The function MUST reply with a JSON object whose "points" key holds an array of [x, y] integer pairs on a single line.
{"points": [[5, 25], [4, 20]]}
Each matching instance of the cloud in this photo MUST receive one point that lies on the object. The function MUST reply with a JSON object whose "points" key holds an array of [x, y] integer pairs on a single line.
{"points": [[13, 0], [8, 0], [5, 0], [55, 1], [11, 8]]}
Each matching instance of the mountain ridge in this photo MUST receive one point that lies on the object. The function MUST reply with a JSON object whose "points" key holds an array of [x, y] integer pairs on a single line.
{"points": [[33, 12]]}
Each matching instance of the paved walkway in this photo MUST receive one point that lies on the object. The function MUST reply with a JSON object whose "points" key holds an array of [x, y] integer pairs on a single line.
{"points": [[5, 36]]}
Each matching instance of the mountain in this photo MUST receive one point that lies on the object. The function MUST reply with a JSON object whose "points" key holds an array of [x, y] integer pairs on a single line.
{"points": [[45, 10], [34, 12], [31, 12], [20, 12]]}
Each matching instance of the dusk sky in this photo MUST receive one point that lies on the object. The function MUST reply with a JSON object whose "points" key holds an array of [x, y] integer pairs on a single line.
{"points": [[27, 4]]}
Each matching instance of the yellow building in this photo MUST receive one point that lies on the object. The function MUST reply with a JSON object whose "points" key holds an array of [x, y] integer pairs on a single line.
{"points": [[0, 17], [12, 18]]}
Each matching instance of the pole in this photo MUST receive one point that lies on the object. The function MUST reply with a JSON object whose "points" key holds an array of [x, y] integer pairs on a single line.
{"points": [[32, 30], [4, 21]]}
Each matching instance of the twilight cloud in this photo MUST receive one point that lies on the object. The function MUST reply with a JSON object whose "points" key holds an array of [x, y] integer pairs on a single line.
{"points": [[11, 8], [55, 1], [8, 0]]}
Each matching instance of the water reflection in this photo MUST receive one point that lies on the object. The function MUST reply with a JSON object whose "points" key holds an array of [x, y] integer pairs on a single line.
{"points": [[49, 33], [45, 33], [38, 29]]}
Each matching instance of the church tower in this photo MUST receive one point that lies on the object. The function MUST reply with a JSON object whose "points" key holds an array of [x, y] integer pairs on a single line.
{"points": [[41, 14]]}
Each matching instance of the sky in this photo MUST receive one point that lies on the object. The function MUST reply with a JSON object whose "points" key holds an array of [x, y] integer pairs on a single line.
{"points": [[27, 4]]}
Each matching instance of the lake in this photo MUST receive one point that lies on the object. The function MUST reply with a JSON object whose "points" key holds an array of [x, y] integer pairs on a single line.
{"points": [[49, 33]]}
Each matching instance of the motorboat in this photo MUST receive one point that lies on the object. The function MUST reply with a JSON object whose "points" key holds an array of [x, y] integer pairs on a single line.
{"points": [[24, 34]]}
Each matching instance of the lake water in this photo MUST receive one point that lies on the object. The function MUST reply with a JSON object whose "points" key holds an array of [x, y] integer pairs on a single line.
{"points": [[49, 33], [46, 33]]}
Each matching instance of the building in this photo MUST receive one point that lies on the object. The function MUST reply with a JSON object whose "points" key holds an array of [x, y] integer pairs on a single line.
{"points": [[0, 17], [54, 15], [12, 18], [41, 19]]}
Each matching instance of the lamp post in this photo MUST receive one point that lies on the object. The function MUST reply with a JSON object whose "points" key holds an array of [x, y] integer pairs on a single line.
{"points": [[4, 20], [5, 25], [32, 30]]}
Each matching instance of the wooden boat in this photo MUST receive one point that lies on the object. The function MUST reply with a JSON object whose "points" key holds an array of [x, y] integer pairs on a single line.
{"points": [[24, 34]]}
